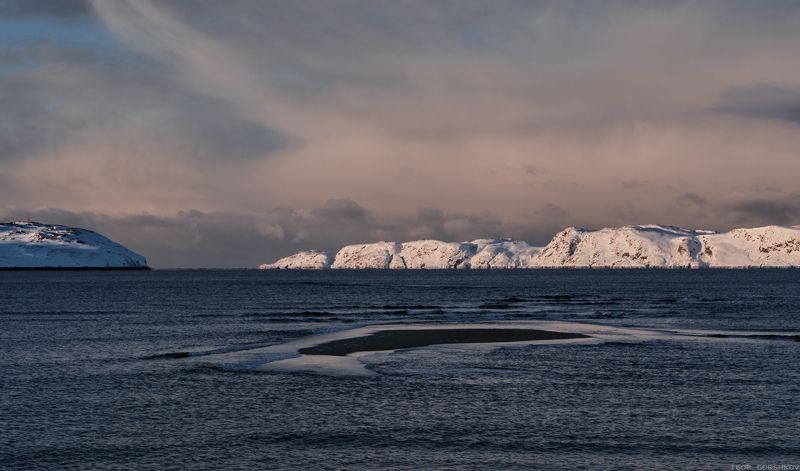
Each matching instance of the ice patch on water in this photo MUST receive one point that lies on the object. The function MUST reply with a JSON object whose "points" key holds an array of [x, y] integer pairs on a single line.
{"points": [[285, 357], [350, 365]]}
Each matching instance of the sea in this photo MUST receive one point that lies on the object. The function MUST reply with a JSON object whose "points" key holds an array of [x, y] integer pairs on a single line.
{"points": [[116, 370]]}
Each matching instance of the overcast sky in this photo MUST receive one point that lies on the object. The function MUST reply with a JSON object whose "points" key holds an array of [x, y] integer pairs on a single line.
{"points": [[230, 133]]}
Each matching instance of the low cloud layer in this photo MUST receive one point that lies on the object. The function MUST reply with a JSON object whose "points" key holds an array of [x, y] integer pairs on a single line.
{"points": [[229, 239], [763, 101], [236, 240], [775, 210], [261, 127]]}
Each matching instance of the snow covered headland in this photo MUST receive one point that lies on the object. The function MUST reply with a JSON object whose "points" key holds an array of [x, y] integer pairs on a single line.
{"points": [[36, 245], [641, 246]]}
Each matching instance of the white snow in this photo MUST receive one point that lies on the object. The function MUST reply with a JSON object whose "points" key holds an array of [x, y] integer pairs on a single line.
{"points": [[672, 247], [377, 255], [503, 254], [628, 246], [305, 260], [640, 246], [286, 357], [36, 245], [433, 254], [770, 246]]}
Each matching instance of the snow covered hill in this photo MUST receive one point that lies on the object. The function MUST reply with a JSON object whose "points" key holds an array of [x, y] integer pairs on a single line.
{"points": [[641, 246], [770, 246], [624, 247], [36, 245], [503, 254], [672, 247], [305, 260], [433, 254], [377, 255]]}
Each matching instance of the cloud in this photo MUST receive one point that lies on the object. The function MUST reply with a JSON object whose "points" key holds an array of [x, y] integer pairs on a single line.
{"points": [[233, 239], [762, 100], [341, 211], [535, 170], [44, 110], [431, 216], [192, 238], [195, 238], [785, 210], [508, 121], [27, 123], [55, 9], [553, 211], [44, 51], [633, 184], [693, 198]]}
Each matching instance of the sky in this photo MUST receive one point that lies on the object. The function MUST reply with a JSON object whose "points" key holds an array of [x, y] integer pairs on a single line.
{"points": [[228, 134]]}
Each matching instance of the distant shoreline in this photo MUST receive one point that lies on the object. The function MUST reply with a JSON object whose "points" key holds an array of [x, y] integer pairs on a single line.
{"points": [[639, 246], [743, 267], [75, 268], [346, 270]]}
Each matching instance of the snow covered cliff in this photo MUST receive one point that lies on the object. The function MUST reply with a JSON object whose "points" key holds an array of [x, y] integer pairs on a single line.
{"points": [[36, 245], [642, 246]]}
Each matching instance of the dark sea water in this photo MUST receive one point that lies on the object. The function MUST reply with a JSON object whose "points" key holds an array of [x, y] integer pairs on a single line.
{"points": [[91, 374]]}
